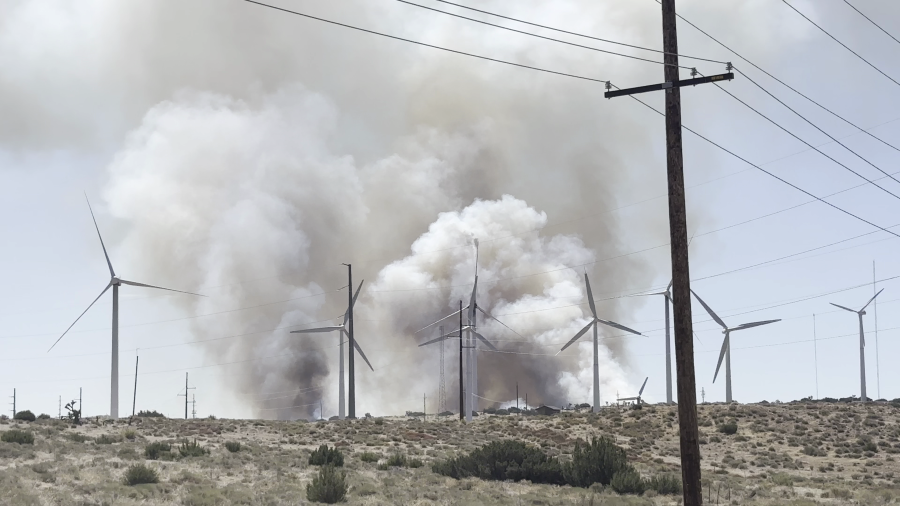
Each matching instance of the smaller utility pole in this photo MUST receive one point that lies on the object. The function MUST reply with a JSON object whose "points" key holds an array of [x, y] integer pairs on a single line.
{"points": [[321, 411], [14, 403], [134, 402], [703, 395], [194, 406], [517, 396], [815, 356], [59, 414], [462, 409], [423, 408], [80, 412], [186, 393], [526, 401]]}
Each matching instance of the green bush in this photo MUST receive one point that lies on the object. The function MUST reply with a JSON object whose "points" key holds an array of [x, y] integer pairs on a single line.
{"points": [[595, 462], [414, 463], [397, 460], [192, 449], [77, 437], [18, 436], [628, 481], [328, 487], [728, 428], [130, 434], [369, 457], [26, 416], [106, 439], [233, 446], [150, 414], [157, 450], [43, 416], [501, 461], [139, 474], [665, 484], [324, 456]]}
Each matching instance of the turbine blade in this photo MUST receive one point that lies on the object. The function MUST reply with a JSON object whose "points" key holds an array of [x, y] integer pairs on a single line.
{"points": [[721, 355], [472, 304], [439, 339], [710, 311], [844, 308], [485, 341], [579, 334], [590, 294], [870, 300], [353, 302], [489, 315], [451, 315], [641, 391], [315, 331], [754, 324], [363, 355], [112, 273], [627, 399], [670, 285], [79, 316], [618, 326], [134, 283]]}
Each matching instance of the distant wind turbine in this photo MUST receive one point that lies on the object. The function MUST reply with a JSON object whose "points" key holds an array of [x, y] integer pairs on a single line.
{"points": [[640, 393], [862, 345], [726, 344], [114, 283], [342, 332], [593, 323]]}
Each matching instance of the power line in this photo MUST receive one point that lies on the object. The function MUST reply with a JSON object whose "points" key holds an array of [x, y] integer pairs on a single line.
{"points": [[732, 153], [566, 31], [841, 43], [424, 44], [869, 20], [786, 85], [407, 2]]}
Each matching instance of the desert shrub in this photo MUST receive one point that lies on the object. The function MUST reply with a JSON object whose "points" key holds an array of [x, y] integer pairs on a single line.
{"points": [[324, 456], [106, 439], [665, 484], [368, 457], [139, 474], [594, 462], [43, 416], [814, 452], [129, 434], [379, 421], [501, 461], [26, 416], [628, 481], [329, 486], [783, 479], [728, 428], [413, 463], [157, 450], [192, 449], [150, 414], [233, 446], [77, 437], [18, 436], [397, 460]]}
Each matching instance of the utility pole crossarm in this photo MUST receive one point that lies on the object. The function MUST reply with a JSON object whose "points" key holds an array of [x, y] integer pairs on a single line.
{"points": [[671, 84]]}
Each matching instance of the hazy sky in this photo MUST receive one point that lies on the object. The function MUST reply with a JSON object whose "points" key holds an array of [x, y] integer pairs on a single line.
{"points": [[245, 153]]}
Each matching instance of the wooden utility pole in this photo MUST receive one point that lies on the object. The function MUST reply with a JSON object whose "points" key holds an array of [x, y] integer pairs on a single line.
{"points": [[351, 397], [681, 287], [186, 397]]}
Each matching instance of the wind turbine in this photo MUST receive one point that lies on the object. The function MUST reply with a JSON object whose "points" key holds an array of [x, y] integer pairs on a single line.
{"points": [[638, 398], [342, 332], [862, 345], [114, 282], [726, 344], [593, 323], [668, 300]]}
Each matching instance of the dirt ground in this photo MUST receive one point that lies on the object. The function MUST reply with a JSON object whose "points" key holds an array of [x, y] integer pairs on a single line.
{"points": [[784, 454]]}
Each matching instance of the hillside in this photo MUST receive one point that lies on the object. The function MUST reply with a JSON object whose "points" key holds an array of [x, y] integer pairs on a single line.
{"points": [[799, 453]]}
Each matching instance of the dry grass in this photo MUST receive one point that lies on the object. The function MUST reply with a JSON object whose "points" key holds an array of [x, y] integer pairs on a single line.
{"points": [[786, 454]]}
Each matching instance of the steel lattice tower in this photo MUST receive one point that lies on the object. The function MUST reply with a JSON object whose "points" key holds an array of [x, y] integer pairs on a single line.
{"points": [[442, 391]]}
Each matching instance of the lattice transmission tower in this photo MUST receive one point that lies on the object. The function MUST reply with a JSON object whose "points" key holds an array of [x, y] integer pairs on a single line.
{"points": [[442, 391]]}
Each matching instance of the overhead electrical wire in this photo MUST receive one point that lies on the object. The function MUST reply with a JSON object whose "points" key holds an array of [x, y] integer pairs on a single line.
{"points": [[870, 20], [841, 43], [407, 2], [373, 32], [786, 85]]}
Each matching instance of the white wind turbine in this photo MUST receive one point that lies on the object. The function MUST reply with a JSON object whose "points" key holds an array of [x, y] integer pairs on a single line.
{"points": [[638, 397], [862, 345], [342, 332], [668, 300], [726, 344], [593, 323], [114, 283]]}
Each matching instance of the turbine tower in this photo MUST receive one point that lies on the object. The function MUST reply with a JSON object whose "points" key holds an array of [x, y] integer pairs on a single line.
{"points": [[726, 344], [667, 300], [593, 323], [342, 332], [114, 282], [862, 345]]}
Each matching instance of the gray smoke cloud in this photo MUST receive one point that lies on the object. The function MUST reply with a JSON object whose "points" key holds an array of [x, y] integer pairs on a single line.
{"points": [[253, 152]]}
